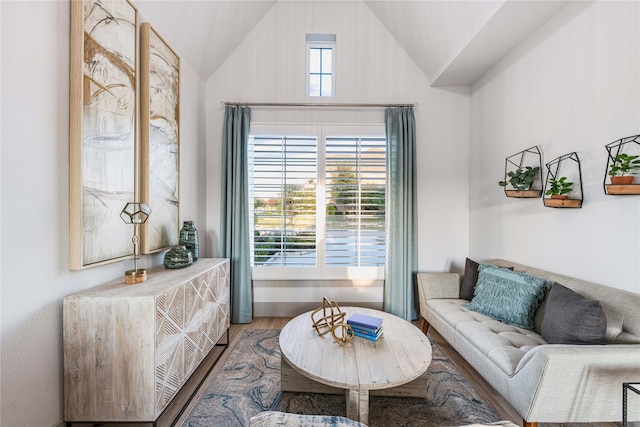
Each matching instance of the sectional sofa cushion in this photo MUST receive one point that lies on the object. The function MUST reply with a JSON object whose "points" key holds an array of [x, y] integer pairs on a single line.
{"points": [[570, 318], [505, 345], [508, 296]]}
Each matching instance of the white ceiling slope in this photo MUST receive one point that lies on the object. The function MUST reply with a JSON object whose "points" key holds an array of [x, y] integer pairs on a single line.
{"points": [[204, 32], [452, 42], [455, 42], [431, 32]]}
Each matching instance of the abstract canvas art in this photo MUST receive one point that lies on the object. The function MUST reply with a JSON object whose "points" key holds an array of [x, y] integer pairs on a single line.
{"points": [[160, 139], [103, 118]]}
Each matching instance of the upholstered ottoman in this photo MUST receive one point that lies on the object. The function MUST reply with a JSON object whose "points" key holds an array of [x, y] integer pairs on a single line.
{"points": [[283, 419]]}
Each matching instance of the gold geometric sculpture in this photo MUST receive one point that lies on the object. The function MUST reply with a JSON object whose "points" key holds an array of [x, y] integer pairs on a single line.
{"points": [[332, 320], [345, 334]]}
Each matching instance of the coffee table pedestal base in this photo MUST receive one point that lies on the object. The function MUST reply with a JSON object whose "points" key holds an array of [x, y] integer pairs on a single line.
{"points": [[357, 401], [293, 381], [358, 405]]}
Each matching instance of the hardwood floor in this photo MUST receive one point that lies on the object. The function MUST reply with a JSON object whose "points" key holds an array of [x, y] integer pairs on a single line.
{"points": [[501, 405]]}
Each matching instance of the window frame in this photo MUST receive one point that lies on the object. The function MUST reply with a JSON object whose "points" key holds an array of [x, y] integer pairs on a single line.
{"points": [[367, 274], [321, 41]]}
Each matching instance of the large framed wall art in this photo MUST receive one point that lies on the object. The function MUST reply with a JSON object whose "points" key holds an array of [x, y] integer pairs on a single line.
{"points": [[160, 139], [103, 121]]}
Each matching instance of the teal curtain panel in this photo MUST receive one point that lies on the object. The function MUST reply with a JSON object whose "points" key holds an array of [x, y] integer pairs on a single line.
{"points": [[234, 216], [402, 238]]}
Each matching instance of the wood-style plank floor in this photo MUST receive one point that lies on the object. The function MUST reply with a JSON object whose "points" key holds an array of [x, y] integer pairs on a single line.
{"points": [[505, 410]]}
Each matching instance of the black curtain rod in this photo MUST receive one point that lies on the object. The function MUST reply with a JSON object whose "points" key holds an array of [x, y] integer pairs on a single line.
{"points": [[314, 104]]}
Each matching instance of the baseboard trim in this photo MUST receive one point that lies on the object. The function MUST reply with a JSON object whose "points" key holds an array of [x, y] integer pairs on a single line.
{"points": [[293, 309]]}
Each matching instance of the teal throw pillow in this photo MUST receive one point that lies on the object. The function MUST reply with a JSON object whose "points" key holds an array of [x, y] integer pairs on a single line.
{"points": [[508, 296]]}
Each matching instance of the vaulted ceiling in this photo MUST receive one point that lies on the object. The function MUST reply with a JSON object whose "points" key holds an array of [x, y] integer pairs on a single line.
{"points": [[452, 42]]}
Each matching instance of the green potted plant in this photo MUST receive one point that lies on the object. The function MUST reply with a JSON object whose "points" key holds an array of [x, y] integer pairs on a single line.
{"points": [[622, 168], [521, 179], [558, 188]]}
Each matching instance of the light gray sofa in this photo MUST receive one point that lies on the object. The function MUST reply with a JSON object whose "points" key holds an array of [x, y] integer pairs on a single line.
{"points": [[551, 383]]}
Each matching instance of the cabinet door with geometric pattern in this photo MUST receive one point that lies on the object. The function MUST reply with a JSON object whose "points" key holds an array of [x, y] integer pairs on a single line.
{"points": [[189, 322]]}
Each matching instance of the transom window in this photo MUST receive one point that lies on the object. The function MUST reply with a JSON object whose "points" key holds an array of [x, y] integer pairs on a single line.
{"points": [[321, 64], [317, 196]]}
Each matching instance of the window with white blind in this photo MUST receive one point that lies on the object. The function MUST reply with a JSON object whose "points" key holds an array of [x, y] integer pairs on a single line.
{"points": [[355, 174], [317, 198], [282, 195]]}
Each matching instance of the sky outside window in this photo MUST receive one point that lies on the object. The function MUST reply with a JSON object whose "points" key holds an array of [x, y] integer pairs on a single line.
{"points": [[320, 71], [321, 64]]}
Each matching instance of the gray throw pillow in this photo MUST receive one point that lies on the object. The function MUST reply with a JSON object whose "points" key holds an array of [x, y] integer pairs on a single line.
{"points": [[469, 279], [570, 318]]}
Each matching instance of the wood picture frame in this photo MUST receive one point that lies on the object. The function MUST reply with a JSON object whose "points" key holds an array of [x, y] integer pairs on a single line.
{"points": [[160, 139], [102, 129]]}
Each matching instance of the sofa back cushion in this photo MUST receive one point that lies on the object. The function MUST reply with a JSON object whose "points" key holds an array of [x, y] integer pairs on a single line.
{"points": [[620, 307]]}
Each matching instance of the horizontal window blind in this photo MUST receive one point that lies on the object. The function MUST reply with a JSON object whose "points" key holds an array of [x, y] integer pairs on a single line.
{"points": [[282, 197], [355, 191], [318, 200]]}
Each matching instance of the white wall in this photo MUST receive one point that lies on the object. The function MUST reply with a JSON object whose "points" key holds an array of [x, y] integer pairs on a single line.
{"points": [[574, 85], [269, 66], [35, 205], [434, 32]]}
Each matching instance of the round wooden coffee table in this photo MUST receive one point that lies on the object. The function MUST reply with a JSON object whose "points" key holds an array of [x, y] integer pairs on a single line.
{"points": [[400, 357]]}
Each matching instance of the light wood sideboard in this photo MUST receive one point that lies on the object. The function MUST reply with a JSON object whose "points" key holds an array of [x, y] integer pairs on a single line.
{"points": [[130, 349]]}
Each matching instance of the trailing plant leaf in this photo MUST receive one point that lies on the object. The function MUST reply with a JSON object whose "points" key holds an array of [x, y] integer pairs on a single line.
{"points": [[521, 179]]}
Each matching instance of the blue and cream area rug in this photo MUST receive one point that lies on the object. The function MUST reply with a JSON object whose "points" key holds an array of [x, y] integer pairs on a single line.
{"points": [[249, 383]]}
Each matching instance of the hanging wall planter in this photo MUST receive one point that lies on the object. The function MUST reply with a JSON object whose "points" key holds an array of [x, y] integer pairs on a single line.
{"points": [[562, 203], [623, 162], [564, 190], [523, 175]]}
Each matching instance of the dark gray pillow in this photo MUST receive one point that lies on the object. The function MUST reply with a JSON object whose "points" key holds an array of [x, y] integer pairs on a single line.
{"points": [[570, 318], [469, 280]]}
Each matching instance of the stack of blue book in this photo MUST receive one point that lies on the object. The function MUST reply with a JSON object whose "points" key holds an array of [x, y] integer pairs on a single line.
{"points": [[364, 326]]}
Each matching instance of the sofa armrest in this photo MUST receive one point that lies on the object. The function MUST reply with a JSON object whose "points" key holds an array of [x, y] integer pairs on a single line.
{"points": [[571, 383], [438, 285]]}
